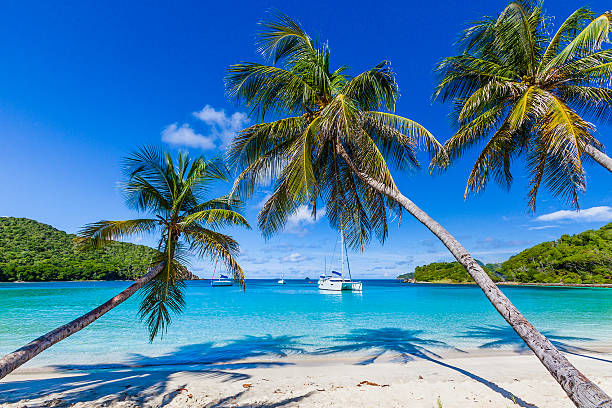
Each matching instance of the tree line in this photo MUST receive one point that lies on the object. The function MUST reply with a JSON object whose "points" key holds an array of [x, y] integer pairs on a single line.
{"points": [[580, 258], [32, 251]]}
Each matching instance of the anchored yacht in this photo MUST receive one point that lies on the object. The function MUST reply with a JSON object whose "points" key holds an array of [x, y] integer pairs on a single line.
{"points": [[337, 281]]}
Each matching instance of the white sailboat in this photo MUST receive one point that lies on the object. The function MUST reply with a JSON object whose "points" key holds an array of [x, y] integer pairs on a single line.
{"points": [[281, 281], [336, 281], [222, 280]]}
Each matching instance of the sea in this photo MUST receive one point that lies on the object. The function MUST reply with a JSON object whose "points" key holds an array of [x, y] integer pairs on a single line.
{"points": [[221, 324]]}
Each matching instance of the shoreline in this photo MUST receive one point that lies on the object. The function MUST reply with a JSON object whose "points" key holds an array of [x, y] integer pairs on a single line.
{"points": [[415, 379], [539, 284]]}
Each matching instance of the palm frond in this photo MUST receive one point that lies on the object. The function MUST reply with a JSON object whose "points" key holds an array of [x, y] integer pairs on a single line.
{"points": [[588, 40], [162, 297], [217, 218], [373, 89], [282, 37], [98, 234], [214, 245]]}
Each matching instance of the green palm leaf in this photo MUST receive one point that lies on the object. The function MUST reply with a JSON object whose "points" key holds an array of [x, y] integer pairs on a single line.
{"points": [[173, 191], [526, 94]]}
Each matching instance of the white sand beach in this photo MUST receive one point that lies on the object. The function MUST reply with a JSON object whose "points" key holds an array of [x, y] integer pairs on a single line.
{"points": [[482, 379]]}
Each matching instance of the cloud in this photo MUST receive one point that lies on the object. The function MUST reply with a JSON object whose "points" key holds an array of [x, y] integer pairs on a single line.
{"points": [[221, 129], [406, 261], [222, 126], [542, 227], [295, 257], [186, 136], [593, 214], [254, 260], [260, 204], [301, 218]]}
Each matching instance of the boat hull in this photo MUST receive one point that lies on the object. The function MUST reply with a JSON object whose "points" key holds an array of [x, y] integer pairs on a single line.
{"points": [[339, 285], [222, 283]]}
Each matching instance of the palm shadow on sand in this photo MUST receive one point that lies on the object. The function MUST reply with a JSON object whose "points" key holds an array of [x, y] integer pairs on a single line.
{"points": [[494, 336], [146, 376], [405, 346]]}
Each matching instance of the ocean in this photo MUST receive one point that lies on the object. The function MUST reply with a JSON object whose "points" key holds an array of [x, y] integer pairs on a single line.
{"points": [[226, 323]]}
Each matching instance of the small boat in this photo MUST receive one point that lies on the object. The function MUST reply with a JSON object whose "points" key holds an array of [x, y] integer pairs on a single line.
{"points": [[222, 280], [281, 281], [336, 281]]}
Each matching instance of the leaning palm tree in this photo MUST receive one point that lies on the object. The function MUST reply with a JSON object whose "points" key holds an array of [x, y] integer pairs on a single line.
{"points": [[174, 196], [332, 145], [521, 92]]}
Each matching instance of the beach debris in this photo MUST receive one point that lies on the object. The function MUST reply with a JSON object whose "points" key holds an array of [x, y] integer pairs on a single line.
{"points": [[181, 389], [365, 382], [246, 385], [190, 395], [420, 377]]}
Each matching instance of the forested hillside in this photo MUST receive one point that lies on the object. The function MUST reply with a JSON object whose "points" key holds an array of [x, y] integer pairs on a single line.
{"points": [[450, 272], [32, 251], [581, 258]]}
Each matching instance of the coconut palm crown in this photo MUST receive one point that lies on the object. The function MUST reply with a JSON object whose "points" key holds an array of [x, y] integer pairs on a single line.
{"points": [[519, 91], [174, 195], [317, 110]]}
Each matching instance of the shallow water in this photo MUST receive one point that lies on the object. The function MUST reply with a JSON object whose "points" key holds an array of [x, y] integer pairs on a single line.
{"points": [[225, 323]]}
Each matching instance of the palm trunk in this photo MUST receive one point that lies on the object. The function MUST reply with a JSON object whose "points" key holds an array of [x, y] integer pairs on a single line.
{"points": [[599, 157], [579, 389], [11, 361]]}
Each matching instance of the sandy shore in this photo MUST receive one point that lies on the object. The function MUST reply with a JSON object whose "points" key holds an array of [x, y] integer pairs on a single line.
{"points": [[491, 379]]}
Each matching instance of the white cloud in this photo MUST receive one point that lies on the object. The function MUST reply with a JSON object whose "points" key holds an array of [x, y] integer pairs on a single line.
{"points": [[541, 227], [223, 126], [301, 218], [186, 136], [295, 257], [259, 205], [221, 129], [593, 214]]}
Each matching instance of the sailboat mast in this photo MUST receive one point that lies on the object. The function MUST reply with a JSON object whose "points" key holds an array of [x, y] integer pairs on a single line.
{"points": [[342, 252]]}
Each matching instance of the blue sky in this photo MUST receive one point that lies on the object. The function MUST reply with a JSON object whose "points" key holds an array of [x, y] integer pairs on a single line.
{"points": [[84, 83]]}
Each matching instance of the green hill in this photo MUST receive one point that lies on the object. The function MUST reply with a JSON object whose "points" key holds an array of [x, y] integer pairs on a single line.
{"points": [[581, 258], [32, 251], [450, 272]]}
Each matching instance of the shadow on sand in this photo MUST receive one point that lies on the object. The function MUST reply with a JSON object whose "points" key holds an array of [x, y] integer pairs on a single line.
{"points": [[142, 377], [145, 376], [500, 336], [405, 345]]}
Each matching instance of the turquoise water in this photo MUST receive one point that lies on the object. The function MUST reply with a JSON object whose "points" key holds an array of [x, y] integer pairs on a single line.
{"points": [[227, 323]]}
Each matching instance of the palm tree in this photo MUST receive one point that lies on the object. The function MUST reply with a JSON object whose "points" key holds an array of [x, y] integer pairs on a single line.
{"points": [[173, 194], [332, 144], [520, 91]]}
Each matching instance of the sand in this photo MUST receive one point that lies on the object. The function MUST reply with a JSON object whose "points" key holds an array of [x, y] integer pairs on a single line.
{"points": [[490, 379]]}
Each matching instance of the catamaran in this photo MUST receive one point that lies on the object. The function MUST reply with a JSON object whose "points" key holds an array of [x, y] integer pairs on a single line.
{"points": [[336, 281], [222, 280]]}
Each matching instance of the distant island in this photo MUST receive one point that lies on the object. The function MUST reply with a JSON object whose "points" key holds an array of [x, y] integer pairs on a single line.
{"points": [[584, 258], [33, 251]]}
